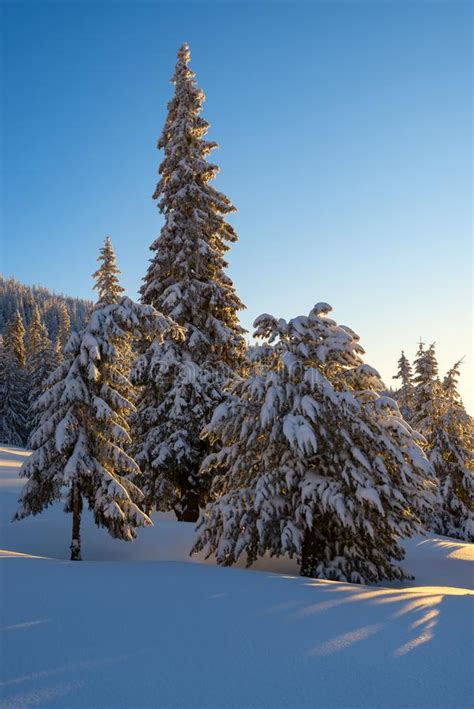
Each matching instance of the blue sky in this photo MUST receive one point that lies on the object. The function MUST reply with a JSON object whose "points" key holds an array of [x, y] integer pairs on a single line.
{"points": [[345, 134]]}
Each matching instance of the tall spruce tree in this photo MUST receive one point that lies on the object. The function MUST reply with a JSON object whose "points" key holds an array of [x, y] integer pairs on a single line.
{"points": [[182, 381], [451, 450], [13, 395], [426, 396], [314, 462], [16, 337], [453, 460], [79, 443], [107, 283], [110, 291], [404, 395], [64, 326], [37, 336], [40, 362], [439, 415]]}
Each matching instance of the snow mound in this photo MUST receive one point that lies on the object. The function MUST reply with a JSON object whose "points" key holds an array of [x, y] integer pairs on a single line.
{"points": [[434, 560]]}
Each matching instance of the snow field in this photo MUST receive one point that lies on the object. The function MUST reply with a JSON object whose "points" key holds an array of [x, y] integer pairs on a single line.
{"points": [[137, 625]]}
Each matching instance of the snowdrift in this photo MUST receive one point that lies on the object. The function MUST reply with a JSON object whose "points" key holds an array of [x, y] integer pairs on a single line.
{"points": [[433, 559], [143, 625]]}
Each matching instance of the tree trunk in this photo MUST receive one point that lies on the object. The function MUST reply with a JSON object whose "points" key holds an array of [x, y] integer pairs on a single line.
{"points": [[188, 508], [76, 525], [309, 554]]}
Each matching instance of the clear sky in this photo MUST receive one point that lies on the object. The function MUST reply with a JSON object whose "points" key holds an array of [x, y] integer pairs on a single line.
{"points": [[345, 134]]}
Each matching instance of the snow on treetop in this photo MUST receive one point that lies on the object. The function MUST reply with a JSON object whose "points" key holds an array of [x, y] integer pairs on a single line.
{"points": [[321, 309]]}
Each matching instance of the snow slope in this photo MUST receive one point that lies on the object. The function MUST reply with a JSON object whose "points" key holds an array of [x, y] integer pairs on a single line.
{"points": [[147, 630]]}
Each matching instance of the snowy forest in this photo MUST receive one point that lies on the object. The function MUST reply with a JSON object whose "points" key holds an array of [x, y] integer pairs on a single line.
{"points": [[283, 441], [15, 296]]}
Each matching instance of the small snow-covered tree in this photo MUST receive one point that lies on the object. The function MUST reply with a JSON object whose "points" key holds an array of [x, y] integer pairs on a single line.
{"points": [[13, 396], [79, 445], [182, 381], [404, 395], [314, 462], [107, 283]]}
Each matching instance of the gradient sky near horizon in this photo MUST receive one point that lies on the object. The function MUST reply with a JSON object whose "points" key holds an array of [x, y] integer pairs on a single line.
{"points": [[345, 134]]}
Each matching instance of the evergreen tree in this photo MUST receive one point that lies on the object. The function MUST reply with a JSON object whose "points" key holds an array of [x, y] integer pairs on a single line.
{"points": [[182, 381], [404, 395], [110, 291], [13, 396], [427, 395], [40, 362], [64, 327], [438, 414], [57, 353], [314, 461], [80, 441], [107, 284], [37, 335], [16, 338], [451, 443]]}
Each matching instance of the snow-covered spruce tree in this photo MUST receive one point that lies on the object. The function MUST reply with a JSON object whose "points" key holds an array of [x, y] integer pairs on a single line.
{"points": [[64, 327], [451, 450], [314, 462], [16, 338], [182, 381], [37, 336], [80, 441], [13, 396], [40, 362], [110, 291], [427, 394], [404, 395], [107, 283]]}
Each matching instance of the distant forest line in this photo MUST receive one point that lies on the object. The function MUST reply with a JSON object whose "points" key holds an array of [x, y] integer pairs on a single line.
{"points": [[18, 296]]}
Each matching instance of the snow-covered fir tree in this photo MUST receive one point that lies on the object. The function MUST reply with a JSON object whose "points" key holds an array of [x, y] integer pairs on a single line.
{"points": [[453, 460], [428, 396], [404, 395], [438, 413], [79, 445], [182, 381], [40, 362], [110, 291], [107, 282], [64, 327], [427, 389], [314, 462], [451, 450], [15, 335], [13, 395], [37, 335]]}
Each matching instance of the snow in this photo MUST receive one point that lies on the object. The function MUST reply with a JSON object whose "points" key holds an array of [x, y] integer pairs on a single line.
{"points": [[141, 624]]}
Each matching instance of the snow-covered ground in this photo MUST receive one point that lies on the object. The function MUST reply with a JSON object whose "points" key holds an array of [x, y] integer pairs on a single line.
{"points": [[143, 625]]}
